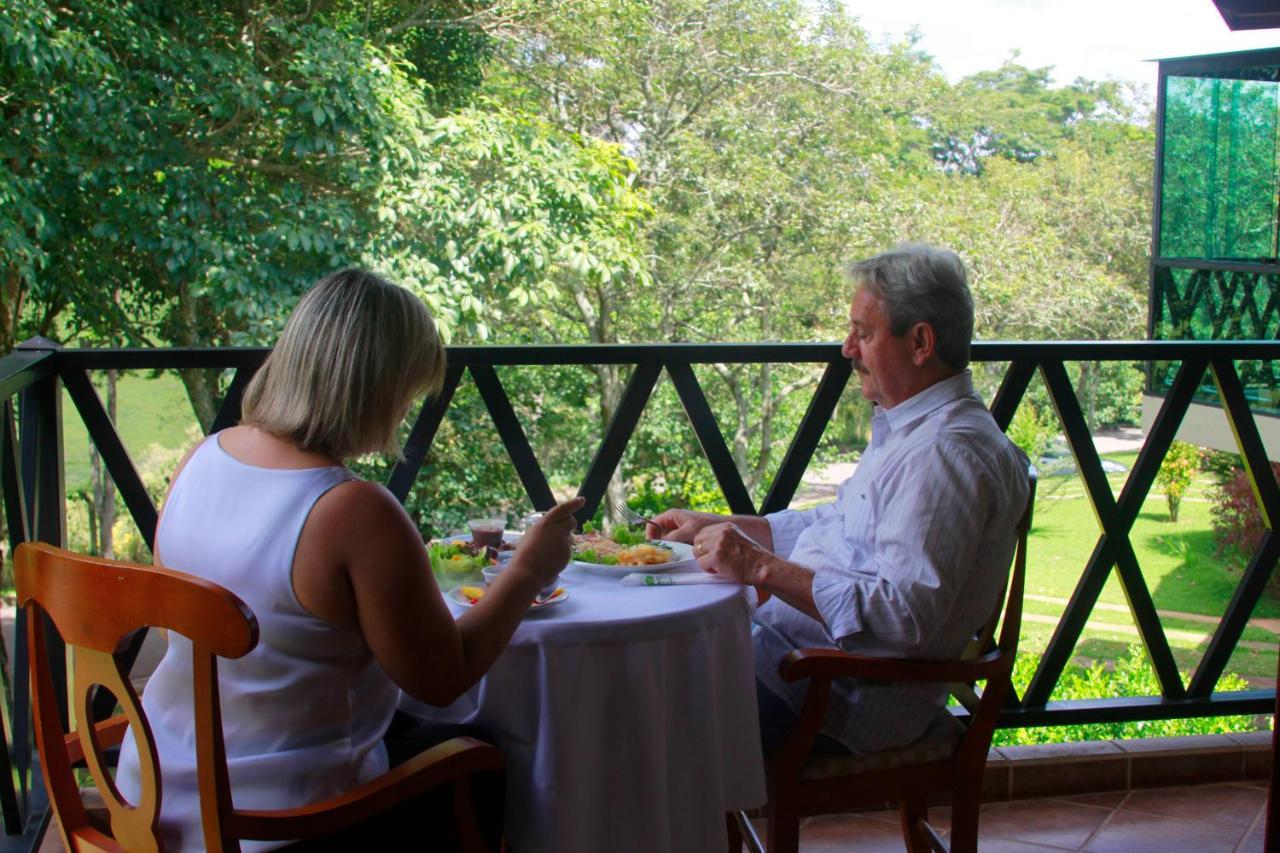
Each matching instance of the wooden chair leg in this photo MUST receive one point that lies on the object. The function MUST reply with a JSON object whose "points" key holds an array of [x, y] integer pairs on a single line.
{"points": [[911, 812], [464, 818], [735, 834], [783, 833], [965, 803]]}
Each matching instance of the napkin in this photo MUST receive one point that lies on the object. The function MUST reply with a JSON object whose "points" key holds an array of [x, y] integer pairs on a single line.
{"points": [[680, 579]]}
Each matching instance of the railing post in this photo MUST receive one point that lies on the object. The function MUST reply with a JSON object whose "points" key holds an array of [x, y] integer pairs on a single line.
{"points": [[41, 468]]}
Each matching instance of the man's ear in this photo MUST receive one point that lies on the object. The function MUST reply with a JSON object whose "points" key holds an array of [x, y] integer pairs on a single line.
{"points": [[923, 343]]}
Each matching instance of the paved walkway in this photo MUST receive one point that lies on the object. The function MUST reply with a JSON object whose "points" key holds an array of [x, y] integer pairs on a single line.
{"points": [[820, 484], [1172, 633]]}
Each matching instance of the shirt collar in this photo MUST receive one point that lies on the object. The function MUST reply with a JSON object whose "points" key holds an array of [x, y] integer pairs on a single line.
{"points": [[934, 397]]}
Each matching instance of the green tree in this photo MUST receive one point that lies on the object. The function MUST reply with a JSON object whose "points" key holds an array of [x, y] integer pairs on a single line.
{"points": [[1177, 473], [760, 131], [209, 161], [1013, 112]]}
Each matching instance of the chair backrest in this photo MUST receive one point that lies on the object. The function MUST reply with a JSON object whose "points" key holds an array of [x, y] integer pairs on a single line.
{"points": [[985, 709], [96, 604]]}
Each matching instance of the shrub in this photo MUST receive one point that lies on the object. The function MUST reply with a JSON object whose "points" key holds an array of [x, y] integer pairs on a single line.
{"points": [[1236, 519], [1129, 676], [1177, 473], [1031, 430], [1222, 464]]}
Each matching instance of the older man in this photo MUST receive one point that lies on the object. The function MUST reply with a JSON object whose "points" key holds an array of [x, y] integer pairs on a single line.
{"points": [[912, 555]]}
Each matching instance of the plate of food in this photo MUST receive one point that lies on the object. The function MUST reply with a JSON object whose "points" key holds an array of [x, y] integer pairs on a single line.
{"points": [[620, 553], [455, 559], [469, 594]]}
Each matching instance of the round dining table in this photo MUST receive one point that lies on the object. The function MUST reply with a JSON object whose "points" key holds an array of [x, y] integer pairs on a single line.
{"points": [[627, 715]]}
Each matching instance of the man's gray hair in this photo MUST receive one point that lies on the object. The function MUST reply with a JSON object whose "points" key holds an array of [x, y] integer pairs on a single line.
{"points": [[917, 283]]}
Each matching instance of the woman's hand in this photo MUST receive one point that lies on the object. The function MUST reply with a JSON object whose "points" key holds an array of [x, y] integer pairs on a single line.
{"points": [[544, 549], [680, 525]]}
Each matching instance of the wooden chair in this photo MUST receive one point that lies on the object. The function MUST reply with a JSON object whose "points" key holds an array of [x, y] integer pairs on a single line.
{"points": [[95, 604], [950, 756]]}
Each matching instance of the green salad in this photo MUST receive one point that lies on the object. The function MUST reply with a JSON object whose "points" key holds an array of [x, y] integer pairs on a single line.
{"points": [[629, 535], [454, 558]]}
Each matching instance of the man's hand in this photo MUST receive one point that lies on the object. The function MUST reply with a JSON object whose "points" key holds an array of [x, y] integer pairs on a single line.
{"points": [[680, 525], [727, 550]]}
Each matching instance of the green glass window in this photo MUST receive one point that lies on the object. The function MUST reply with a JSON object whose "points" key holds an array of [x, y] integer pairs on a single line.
{"points": [[1219, 193]]}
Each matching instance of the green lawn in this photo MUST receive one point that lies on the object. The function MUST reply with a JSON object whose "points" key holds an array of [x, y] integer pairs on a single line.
{"points": [[1179, 561], [151, 410]]}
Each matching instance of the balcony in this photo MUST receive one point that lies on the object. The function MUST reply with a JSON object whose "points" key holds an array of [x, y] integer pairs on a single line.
{"points": [[32, 483]]}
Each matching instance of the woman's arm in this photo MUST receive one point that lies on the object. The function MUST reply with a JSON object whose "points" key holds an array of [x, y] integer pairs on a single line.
{"points": [[361, 560]]}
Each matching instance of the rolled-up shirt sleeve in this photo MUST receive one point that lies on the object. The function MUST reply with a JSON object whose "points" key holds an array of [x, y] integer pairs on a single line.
{"points": [[787, 525], [925, 541]]}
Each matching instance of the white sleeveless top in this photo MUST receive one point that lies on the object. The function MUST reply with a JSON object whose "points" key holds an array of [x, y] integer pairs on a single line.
{"points": [[305, 711]]}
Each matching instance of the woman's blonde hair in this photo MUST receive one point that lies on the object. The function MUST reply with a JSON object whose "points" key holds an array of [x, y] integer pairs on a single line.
{"points": [[356, 352]]}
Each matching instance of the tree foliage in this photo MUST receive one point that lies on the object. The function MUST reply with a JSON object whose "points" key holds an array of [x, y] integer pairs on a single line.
{"points": [[559, 170], [1236, 515], [208, 162]]}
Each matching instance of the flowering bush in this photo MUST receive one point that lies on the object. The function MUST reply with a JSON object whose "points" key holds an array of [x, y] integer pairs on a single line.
{"points": [[1177, 472], [1236, 519]]}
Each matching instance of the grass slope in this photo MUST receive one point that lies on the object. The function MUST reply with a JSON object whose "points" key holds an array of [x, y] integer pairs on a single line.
{"points": [[150, 409]]}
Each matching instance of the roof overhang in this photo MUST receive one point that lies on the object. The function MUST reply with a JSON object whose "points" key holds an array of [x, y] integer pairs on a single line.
{"points": [[1249, 14]]}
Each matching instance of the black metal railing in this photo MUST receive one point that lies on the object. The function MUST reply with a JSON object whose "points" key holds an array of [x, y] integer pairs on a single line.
{"points": [[31, 479], [1203, 300]]}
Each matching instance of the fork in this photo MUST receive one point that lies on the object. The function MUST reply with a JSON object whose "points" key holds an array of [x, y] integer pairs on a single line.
{"points": [[629, 515]]}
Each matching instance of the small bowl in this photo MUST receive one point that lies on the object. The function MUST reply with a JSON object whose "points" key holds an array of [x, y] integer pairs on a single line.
{"points": [[504, 553], [491, 574]]}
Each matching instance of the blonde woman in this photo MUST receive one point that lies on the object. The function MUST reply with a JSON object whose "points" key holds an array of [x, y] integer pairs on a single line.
{"points": [[330, 564]]}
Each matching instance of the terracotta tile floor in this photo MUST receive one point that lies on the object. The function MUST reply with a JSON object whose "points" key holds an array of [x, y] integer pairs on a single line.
{"points": [[1199, 819]]}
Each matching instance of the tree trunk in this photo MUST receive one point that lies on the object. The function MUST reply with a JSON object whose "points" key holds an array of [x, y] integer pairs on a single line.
{"points": [[202, 391], [90, 509], [1089, 391], [611, 388], [11, 293], [757, 474], [103, 487], [201, 384]]}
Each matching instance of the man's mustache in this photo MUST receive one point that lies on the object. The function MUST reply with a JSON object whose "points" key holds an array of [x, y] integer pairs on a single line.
{"points": [[858, 366]]}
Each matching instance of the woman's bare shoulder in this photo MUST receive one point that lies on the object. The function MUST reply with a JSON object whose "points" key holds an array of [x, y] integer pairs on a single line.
{"points": [[357, 533], [359, 507]]}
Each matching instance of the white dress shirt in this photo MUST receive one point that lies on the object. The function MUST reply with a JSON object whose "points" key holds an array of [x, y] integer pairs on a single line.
{"points": [[909, 560]]}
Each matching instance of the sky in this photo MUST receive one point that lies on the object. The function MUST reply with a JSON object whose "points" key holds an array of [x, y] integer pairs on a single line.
{"points": [[1099, 39]]}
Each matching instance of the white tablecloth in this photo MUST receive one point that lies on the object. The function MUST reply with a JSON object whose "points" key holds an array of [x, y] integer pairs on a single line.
{"points": [[627, 716]]}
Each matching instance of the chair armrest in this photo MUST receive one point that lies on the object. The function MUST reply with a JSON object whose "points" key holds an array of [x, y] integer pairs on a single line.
{"points": [[831, 663], [453, 760]]}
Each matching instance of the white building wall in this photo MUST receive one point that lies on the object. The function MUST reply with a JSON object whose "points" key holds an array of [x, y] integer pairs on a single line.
{"points": [[1207, 426]]}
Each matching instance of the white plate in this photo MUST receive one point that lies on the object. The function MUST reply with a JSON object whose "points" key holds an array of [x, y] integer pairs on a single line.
{"points": [[556, 597], [681, 553]]}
